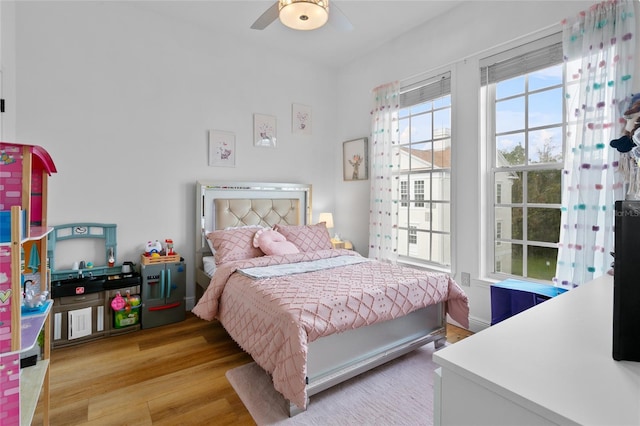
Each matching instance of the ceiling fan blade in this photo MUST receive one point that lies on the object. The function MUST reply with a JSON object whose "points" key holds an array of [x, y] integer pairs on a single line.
{"points": [[338, 19], [266, 18]]}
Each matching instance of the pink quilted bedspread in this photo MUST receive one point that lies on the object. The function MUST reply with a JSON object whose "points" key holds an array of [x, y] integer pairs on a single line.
{"points": [[274, 319]]}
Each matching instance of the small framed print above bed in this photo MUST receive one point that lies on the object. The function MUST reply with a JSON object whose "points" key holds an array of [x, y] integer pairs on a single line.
{"points": [[355, 159], [222, 148], [264, 130]]}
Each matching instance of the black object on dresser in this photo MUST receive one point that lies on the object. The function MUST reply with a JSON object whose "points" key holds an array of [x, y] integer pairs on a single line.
{"points": [[626, 282]]}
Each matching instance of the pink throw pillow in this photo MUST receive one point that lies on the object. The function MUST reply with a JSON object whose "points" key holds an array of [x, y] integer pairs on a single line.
{"points": [[273, 243], [307, 237], [234, 244]]}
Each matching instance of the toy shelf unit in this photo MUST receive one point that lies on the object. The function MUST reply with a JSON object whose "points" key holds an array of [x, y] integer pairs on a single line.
{"points": [[84, 296], [25, 303]]}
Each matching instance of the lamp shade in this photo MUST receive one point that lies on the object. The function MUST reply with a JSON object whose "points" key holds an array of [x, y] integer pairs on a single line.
{"points": [[326, 218], [304, 14]]}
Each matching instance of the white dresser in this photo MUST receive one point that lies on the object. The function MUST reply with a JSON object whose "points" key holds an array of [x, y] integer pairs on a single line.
{"points": [[551, 364]]}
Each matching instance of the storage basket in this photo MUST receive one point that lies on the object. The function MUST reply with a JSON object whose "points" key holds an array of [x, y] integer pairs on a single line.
{"points": [[147, 260], [125, 318]]}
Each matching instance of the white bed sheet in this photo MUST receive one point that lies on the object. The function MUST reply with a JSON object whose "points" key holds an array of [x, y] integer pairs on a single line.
{"points": [[209, 265]]}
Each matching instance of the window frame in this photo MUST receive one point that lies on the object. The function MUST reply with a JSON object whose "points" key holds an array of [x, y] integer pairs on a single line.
{"points": [[428, 87], [493, 266]]}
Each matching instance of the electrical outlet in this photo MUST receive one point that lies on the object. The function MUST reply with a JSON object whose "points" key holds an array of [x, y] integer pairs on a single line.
{"points": [[465, 279]]}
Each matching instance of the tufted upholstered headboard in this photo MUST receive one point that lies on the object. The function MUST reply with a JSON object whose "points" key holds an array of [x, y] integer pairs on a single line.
{"points": [[224, 204], [256, 211]]}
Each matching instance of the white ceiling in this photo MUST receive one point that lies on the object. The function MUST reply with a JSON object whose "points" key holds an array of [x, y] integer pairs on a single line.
{"points": [[374, 23]]}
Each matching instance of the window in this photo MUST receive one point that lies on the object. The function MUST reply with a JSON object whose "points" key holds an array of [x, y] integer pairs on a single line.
{"points": [[418, 192], [525, 121], [413, 235], [424, 149], [404, 193]]}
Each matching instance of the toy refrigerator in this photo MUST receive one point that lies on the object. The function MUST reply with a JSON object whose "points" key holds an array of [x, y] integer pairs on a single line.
{"points": [[163, 293]]}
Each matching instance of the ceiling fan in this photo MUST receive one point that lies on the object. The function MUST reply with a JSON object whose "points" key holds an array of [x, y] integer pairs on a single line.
{"points": [[303, 15]]}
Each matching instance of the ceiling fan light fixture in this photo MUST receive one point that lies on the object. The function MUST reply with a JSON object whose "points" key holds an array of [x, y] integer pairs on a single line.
{"points": [[304, 14]]}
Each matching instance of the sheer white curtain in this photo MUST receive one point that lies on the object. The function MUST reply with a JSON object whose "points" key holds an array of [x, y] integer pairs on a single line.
{"points": [[599, 49], [385, 162]]}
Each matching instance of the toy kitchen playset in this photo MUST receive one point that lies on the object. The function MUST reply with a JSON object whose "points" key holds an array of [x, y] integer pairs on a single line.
{"points": [[95, 301]]}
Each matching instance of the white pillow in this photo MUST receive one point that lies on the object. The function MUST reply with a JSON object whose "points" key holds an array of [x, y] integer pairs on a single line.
{"points": [[209, 265], [204, 234]]}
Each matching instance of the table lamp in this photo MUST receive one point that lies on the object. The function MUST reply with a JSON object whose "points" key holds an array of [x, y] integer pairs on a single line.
{"points": [[327, 218]]}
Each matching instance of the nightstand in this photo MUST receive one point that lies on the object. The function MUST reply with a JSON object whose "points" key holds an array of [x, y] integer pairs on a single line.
{"points": [[341, 244]]}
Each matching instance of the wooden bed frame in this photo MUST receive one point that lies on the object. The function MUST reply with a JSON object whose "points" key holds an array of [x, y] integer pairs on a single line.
{"points": [[332, 359]]}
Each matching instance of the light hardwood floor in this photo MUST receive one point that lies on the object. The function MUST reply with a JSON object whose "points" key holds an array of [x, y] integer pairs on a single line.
{"points": [[168, 375]]}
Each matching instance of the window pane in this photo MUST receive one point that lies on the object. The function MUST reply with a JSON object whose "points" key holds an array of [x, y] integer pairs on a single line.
{"points": [[403, 129], [444, 101], [545, 146], [442, 123], [421, 156], [503, 217], [420, 108], [511, 186], [543, 225], [414, 243], [441, 249], [510, 150], [421, 128], [510, 115], [419, 216], [440, 217], [543, 187], [441, 184], [511, 218], [541, 262], [508, 257], [514, 86], [403, 242], [545, 108], [547, 77], [517, 228]]}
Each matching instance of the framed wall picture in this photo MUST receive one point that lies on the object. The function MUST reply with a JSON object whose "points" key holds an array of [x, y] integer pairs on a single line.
{"points": [[300, 119], [264, 130], [355, 163], [222, 148]]}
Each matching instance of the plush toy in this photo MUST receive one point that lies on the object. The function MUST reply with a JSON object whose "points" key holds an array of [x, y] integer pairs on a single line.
{"points": [[152, 247], [273, 243], [630, 135]]}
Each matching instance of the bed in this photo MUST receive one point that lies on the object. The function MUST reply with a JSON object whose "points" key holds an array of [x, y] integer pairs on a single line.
{"points": [[311, 316]]}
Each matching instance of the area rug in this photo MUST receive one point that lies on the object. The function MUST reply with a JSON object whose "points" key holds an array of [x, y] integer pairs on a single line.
{"points": [[399, 392]]}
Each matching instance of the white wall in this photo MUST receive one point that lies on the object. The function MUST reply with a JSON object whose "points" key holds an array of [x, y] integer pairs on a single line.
{"points": [[454, 42], [123, 102]]}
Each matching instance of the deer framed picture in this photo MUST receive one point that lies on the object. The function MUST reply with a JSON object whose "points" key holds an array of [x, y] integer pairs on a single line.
{"points": [[355, 163]]}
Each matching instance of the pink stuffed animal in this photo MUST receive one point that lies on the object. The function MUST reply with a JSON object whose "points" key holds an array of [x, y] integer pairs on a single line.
{"points": [[273, 243]]}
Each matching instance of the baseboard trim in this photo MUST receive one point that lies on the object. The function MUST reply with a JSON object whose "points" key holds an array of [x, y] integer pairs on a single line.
{"points": [[190, 302], [477, 325]]}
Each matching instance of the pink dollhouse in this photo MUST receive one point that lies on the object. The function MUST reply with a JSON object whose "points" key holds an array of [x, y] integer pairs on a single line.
{"points": [[24, 172]]}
